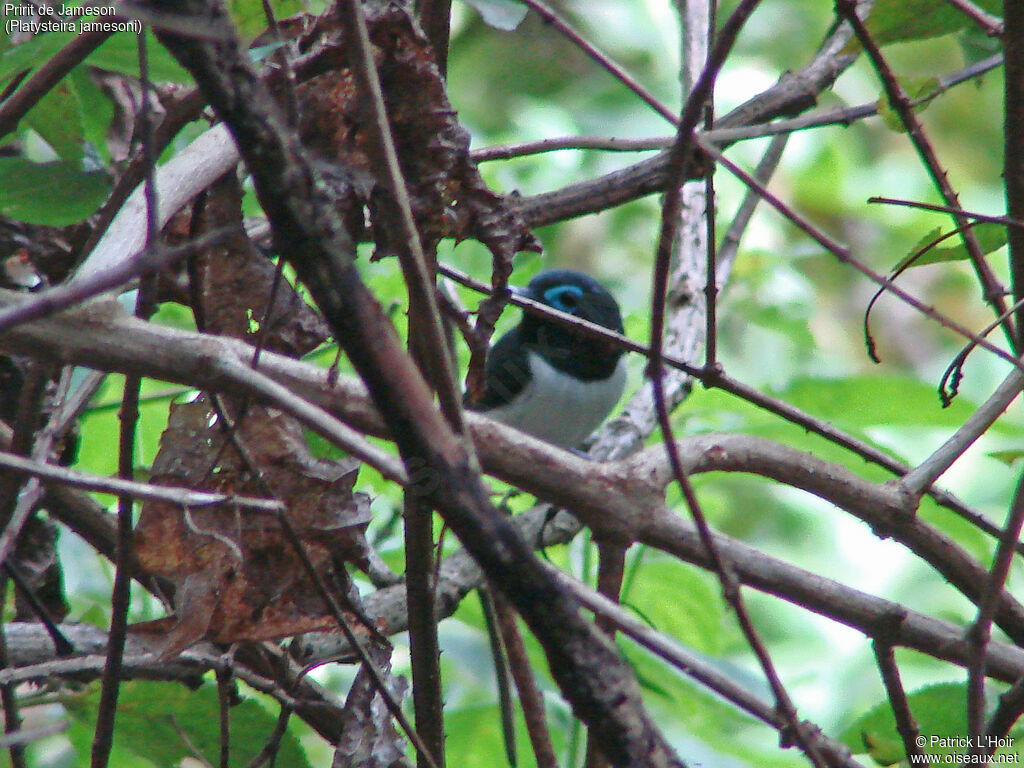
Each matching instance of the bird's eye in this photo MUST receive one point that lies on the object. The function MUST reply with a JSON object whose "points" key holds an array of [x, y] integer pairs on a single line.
{"points": [[565, 297]]}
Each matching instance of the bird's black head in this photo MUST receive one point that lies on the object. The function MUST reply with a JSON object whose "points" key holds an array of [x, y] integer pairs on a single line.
{"points": [[570, 350], [576, 294]]}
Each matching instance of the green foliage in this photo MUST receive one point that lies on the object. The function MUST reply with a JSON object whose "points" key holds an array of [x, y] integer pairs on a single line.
{"points": [[164, 723], [679, 600], [57, 118], [991, 237], [118, 54], [939, 711], [56, 193], [855, 402], [1008, 456], [121, 54], [893, 21]]}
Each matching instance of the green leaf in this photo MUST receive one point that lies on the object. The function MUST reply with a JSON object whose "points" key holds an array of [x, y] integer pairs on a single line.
{"points": [[121, 54], [864, 401], [505, 15], [155, 719], [58, 119], [251, 19], [679, 601], [118, 54], [991, 237], [97, 112], [940, 714], [56, 193], [29, 54], [976, 45], [893, 21]]}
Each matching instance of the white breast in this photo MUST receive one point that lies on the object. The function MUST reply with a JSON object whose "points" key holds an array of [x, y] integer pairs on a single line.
{"points": [[559, 409]]}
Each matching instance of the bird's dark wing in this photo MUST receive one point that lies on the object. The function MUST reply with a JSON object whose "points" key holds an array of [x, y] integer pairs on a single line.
{"points": [[508, 371]]}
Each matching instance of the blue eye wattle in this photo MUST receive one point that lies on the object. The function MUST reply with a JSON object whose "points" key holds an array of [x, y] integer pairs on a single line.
{"points": [[564, 297]]}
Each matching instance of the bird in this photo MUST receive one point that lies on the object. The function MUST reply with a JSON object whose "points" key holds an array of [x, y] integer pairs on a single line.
{"points": [[543, 378]]}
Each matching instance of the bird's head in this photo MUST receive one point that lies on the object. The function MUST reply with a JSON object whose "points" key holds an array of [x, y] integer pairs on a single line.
{"points": [[573, 293]]}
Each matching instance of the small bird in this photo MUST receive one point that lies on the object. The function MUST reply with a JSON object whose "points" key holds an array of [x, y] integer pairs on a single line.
{"points": [[546, 380]]}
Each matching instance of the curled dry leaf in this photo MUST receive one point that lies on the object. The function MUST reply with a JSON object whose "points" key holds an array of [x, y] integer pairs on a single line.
{"points": [[447, 194], [236, 575]]}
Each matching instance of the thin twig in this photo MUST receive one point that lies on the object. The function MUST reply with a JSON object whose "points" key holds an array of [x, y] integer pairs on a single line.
{"points": [[620, 74], [61, 644], [1013, 145], [949, 383], [904, 108], [185, 497], [729, 246], [106, 711], [424, 643], [894, 275], [224, 690], [502, 673], [846, 257], [329, 600], [932, 468], [418, 279], [906, 726], [724, 136], [9, 697], [609, 144], [1006, 221], [696, 667], [671, 206], [198, 756], [20, 499], [270, 749], [530, 698]]}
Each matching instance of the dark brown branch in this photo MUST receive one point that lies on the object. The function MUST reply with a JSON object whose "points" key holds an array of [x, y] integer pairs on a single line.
{"points": [[530, 698], [116, 342], [9, 699], [427, 340], [120, 600], [795, 731], [906, 726], [435, 18], [424, 646]]}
